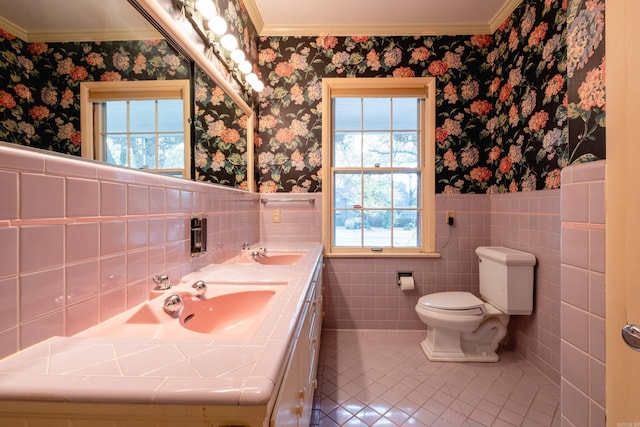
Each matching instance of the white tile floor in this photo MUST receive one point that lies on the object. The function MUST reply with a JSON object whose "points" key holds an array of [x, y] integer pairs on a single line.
{"points": [[382, 378]]}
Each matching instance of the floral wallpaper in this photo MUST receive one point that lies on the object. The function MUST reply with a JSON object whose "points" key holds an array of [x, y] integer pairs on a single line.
{"points": [[586, 69], [503, 107], [220, 153], [40, 83]]}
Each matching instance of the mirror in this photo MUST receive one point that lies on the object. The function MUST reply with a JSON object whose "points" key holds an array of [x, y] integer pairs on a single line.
{"points": [[49, 47]]}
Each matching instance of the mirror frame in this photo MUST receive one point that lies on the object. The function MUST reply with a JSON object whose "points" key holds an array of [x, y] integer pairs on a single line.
{"points": [[184, 37]]}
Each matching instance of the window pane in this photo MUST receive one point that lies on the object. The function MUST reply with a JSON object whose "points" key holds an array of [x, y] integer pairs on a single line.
{"points": [[115, 149], [347, 228], [116, 112], [377, 112], [405, 113], [170, 152], [377, 237], [405, 190], [347, 190], [405, 229], [347, 149], [143, 152], [170, 115], [405, 150], [347, 113], [143, 116], [377, 190], [376, 148]]}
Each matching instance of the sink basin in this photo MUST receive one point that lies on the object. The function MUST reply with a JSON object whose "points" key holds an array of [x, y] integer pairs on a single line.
{"points": [[234, 312], [270, 258], [279, 259]]}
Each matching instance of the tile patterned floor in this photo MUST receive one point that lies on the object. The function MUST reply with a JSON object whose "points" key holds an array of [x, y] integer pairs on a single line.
{"points": [[382, 378]]}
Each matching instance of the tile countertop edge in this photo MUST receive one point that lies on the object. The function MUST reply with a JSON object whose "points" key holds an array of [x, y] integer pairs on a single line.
{"points": [[33, 382]]}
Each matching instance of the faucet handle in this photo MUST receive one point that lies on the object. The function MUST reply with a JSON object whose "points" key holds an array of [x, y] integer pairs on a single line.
{"points": [[201, 288], [163, 281], [173, 304]]}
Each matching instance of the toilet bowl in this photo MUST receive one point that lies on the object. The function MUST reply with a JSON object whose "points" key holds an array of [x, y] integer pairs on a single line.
{"points": [[461, 327], [464, 328]]}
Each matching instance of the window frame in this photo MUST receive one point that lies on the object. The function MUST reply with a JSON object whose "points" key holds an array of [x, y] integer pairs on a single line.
{"points": [[392, 87], [94, 92]]}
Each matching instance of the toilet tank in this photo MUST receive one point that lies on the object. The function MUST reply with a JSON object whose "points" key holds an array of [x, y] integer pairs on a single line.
{"points": [[506, 278]]}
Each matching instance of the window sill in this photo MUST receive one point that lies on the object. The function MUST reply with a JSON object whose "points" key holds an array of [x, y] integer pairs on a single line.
{"points": [[382, 254]]}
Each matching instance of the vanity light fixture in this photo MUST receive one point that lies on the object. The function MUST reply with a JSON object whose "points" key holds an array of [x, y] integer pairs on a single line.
{"points": [[212, 27]]}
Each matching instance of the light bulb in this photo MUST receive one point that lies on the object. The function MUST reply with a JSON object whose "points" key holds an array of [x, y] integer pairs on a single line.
{"points": [[218, 25], [229, 42], [245, 67], [250, 78], [237, 56], [206, 8], [258, 86]]}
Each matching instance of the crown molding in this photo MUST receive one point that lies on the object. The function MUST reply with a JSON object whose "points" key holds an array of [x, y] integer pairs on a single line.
{"points": [[375, 30], [503, 14], [78, 36], [254, 15]]}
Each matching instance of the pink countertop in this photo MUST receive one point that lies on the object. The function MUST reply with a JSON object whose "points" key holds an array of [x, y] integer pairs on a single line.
{"points": [[163, 368]]}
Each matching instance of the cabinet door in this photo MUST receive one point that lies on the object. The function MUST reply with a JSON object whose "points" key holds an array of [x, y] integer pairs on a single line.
{"points": [[287, 409]]}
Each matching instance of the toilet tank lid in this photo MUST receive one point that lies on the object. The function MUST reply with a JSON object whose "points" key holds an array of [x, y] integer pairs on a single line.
{"points": [[506, 256], [453, 300]]}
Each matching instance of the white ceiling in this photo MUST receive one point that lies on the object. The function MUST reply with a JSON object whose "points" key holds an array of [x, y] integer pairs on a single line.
{"points": [[77, 20], [378, 17]]}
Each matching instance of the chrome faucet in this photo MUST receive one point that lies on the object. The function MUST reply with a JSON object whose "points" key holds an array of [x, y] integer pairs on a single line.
{"points": [[173, 304], [246, 246], [162, 281], [256, 254], [201, 288]]}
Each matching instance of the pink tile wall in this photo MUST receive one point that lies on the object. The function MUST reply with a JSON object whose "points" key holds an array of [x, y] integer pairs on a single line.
{"points": [[530, 222], [79, 241], [583, 295], [361, 292]]}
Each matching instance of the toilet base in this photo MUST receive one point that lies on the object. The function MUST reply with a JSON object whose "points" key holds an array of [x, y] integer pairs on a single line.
{"points": [[453, 356]]}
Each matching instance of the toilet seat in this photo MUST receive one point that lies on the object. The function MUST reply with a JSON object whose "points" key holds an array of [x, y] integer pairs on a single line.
{"points": [[453, 303]]}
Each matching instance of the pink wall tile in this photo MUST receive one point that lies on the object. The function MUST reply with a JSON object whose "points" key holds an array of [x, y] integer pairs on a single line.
{"points": [[8, 195], [113, 272], [82, 281], [137, 293], [8, 307], [575, 287], [137, 234], [41, 196], [157, 200], [9, 342], [41, 247], [40, 329], [21, 159], [83, 197], [112, 303], [58, 165], [82, 241], [137, 200], [575, 367], [113, 199], [575, 247], [158, 231], [41, 293], [137, 266], [575, 405], [113, 237], [8, 251], [575, 203], [176, 228], [575, 326], [81, 316]]}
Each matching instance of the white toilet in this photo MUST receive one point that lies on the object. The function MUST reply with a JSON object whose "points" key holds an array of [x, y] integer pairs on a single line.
{"points": [[463, 328]]}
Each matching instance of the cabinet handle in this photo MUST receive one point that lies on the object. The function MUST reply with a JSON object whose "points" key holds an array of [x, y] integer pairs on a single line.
{"points": [[314, 383], [302, 393]]}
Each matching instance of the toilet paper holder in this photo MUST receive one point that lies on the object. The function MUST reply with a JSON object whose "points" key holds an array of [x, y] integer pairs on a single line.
{"points": [[403, 274]]}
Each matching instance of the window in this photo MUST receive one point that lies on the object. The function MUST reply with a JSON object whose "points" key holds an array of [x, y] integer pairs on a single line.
{"points": [[138, 124], [378, 185]]}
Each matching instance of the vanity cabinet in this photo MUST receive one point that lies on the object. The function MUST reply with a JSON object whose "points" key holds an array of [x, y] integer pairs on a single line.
{"points": [[295, 398]]}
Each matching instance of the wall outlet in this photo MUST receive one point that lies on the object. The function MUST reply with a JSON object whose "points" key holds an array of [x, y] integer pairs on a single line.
{"points": [[275, 215], [448, 217]]}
